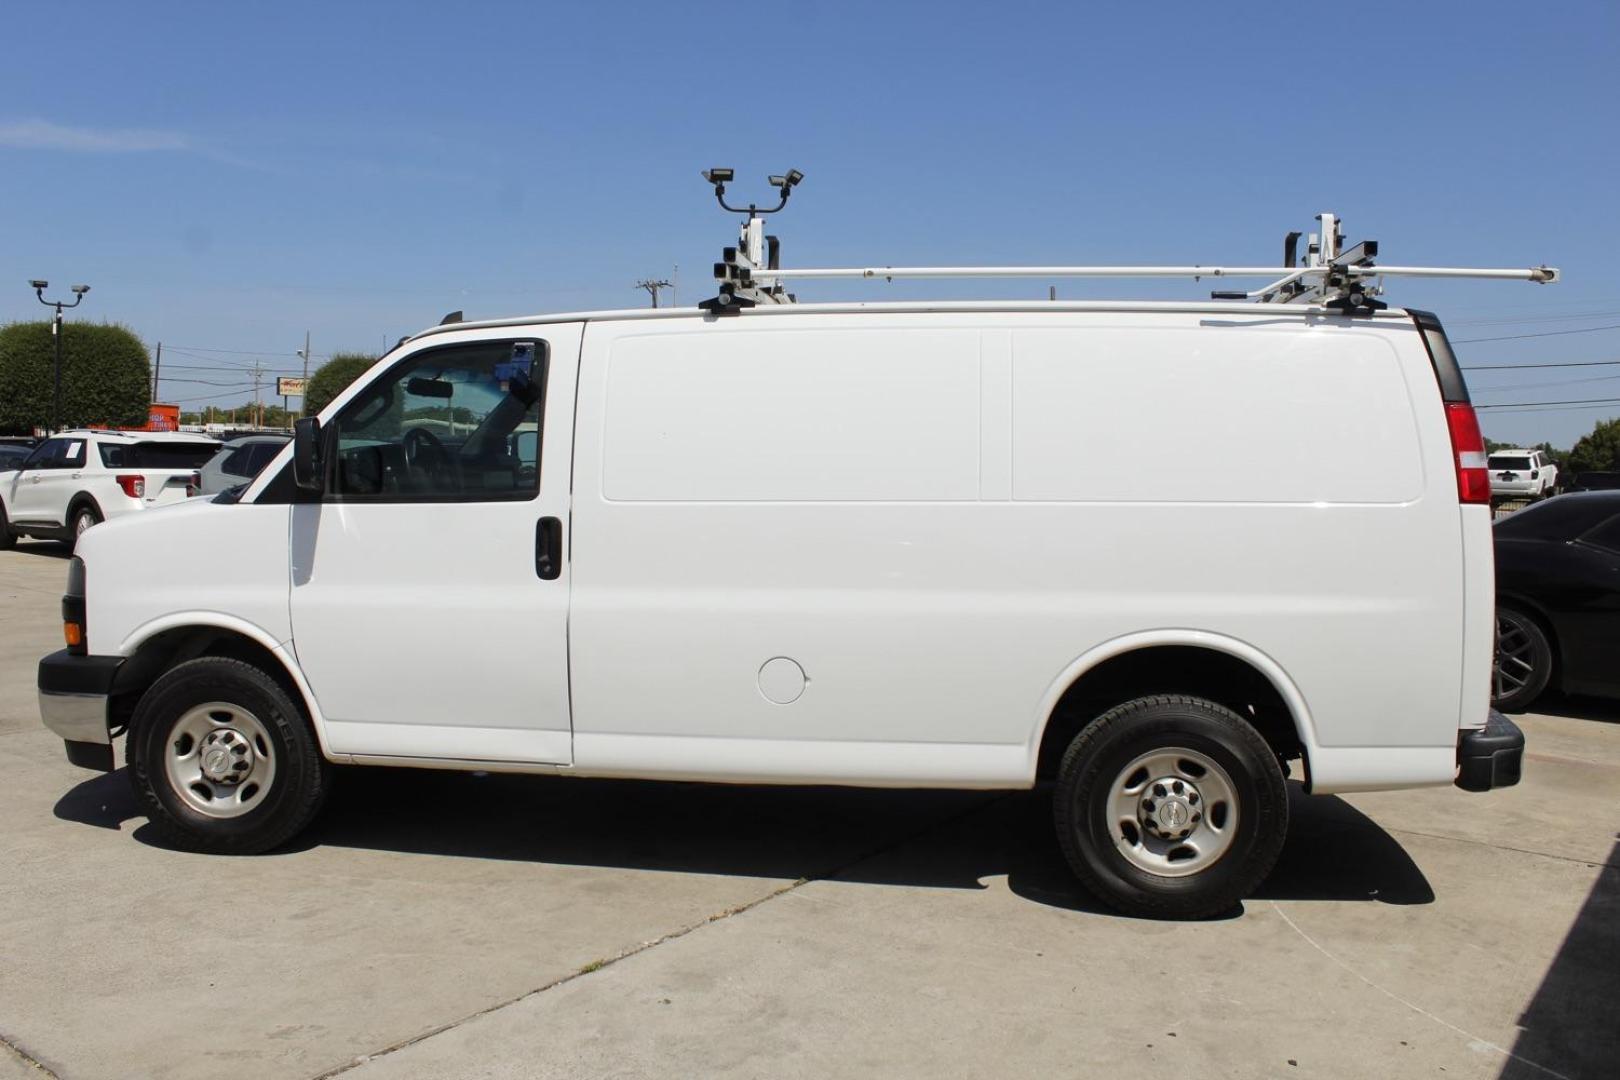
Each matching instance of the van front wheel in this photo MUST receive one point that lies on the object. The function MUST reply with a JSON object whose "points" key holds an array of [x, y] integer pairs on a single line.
{"points": [[1171, 807], [223, 760]]}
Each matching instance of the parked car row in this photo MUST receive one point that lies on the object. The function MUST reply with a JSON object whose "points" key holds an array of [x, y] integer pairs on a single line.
{"points": [[1558, 599], [77, 479]]}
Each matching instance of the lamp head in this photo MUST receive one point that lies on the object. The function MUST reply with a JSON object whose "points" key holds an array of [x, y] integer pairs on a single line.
{"points": [[81, 289], [38, 284], [719, 176]]}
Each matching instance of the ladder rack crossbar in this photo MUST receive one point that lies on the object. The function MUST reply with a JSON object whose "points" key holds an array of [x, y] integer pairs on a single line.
{"points": [[1283, 274]]}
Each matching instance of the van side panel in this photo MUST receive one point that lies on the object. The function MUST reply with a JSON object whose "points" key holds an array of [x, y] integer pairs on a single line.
{"points": [[933, 516]]}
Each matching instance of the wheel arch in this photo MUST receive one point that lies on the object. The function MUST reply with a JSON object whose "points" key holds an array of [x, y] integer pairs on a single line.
{"points": [[82, 498], [1200, 663], [160, 645], [1543, 618]]}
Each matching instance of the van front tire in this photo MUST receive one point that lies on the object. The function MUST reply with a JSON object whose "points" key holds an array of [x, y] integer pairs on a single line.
{"points": [[223, 760], [1171, 807]]}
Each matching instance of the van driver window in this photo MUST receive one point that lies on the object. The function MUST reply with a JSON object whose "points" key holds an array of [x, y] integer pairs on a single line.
{"points": [[456, 423]]}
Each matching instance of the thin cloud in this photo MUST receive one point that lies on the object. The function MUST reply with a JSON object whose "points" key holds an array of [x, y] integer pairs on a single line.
{"points": [[44, 135]]}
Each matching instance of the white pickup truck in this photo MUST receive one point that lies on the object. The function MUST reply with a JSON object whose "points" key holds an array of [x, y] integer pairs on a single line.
{"points": [[77, 479]]}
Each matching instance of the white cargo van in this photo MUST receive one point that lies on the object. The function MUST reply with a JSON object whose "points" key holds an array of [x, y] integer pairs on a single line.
{"points": [[854, 544]]}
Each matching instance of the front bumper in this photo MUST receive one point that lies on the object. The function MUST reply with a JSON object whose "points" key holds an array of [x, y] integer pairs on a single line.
{"points": [[73, 695], [1491, 756]]}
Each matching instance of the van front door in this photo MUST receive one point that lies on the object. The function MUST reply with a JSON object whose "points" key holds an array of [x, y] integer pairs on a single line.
{"points": [[430, 583]]}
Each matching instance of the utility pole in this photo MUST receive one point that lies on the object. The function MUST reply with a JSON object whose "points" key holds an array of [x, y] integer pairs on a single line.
{"points": [[258, 409], [652, 288], [56, 341], [157, 366]]}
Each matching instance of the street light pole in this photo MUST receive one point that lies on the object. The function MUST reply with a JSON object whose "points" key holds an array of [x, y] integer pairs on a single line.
{"points": [[56, 341]]}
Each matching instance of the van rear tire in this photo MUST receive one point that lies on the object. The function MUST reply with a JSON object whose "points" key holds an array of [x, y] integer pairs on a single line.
{"points": [[1171, 807], [223, 760]]}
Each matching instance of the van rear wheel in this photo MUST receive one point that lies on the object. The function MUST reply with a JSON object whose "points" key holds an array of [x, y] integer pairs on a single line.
{"points": [[223, 760], [1171, 807]]}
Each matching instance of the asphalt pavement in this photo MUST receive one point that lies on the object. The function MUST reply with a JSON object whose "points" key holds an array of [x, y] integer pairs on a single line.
{"points": [[457, 925]]}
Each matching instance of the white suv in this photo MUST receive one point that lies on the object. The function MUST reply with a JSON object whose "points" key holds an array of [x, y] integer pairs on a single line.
{"points": [[1522, 474], [79, 478]]}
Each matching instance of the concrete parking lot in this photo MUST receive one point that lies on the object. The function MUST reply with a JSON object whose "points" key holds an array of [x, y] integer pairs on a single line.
{"points": [[449, 925]]}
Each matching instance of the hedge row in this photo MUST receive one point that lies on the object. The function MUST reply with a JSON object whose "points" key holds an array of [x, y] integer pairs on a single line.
{"points": [[106, 376]]}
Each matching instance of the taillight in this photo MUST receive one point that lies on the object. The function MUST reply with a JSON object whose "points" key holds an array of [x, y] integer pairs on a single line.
{"points": [[134, 486], [73, 609], [194, 485], [1468, 447]]}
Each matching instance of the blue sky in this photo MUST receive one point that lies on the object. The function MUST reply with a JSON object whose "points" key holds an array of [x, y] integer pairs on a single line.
{"points": [[228, 176]]}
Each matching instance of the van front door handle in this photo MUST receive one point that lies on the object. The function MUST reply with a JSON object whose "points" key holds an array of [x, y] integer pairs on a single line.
{"points": [[548, 548]]}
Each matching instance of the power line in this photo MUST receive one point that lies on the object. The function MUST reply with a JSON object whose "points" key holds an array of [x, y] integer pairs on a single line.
{"points": [[1540, 385], [1528, 404], [1544, 333], [1504, 411], [232, 352], [1517, 367], [1575, 317]]}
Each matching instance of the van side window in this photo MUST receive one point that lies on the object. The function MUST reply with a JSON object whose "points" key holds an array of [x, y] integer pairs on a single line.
{"points": [[459, 423], [112, 455]]}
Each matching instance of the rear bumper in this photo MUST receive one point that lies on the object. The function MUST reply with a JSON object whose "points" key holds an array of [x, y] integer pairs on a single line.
{"points": [[1491, 756], [73, 695]]}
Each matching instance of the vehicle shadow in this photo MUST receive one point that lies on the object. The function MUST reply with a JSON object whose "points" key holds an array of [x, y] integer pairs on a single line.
{"points": [[929, 839], [1600, 710], [1568, 1026], [46, 549]]}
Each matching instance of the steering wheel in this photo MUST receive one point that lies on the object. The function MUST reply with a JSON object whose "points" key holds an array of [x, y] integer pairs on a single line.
{"points": [[422, 446], [423, 450]]}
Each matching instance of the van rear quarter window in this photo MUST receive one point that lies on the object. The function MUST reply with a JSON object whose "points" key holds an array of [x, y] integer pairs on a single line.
{"points": [[1211, 415]]}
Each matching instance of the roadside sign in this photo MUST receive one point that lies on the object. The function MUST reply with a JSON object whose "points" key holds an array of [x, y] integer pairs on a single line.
{"points": [[291, 386]]}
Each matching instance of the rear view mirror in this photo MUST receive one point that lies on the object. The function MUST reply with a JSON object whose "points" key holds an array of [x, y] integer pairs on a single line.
{"points": [[433, 388], [307, 455]]}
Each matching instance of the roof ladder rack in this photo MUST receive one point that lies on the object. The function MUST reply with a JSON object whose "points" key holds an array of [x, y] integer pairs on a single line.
{"points": [[1331, 275]]}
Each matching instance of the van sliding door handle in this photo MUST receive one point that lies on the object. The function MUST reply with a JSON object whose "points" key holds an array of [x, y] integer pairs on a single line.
{"points": [[548, 548]]}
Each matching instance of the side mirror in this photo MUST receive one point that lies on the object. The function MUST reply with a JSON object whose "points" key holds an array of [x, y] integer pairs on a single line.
{"points": [[306, 456]]}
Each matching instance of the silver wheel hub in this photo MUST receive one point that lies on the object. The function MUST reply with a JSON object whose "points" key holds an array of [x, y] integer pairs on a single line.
{"points": [[226, 756], [219, 759], [1170, 807], [1175, 811]]}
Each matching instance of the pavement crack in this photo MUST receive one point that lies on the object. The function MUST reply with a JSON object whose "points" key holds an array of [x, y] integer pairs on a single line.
{"points": [[680, 932], [1577, 860], [1420, 1010], [26, 1058]]}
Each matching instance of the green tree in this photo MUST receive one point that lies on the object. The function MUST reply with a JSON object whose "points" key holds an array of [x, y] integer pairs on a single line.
{"points": [[106, 376], [332, 378], [1599, 451]]}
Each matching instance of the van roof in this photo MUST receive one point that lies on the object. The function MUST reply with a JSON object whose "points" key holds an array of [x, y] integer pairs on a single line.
{"points": [[1267, 312]]}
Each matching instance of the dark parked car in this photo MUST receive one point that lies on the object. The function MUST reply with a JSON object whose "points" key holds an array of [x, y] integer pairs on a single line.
{"points": [[1558, 599], [1595, 481]]}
